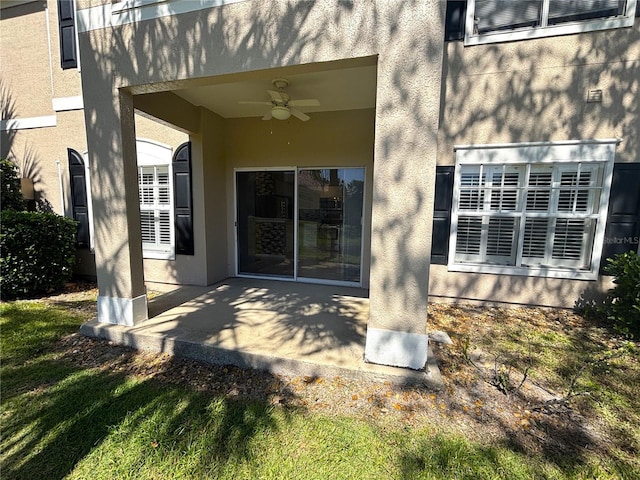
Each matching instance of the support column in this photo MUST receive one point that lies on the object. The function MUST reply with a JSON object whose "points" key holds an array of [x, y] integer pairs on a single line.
{"points": [[408, 99], [114, 190]]}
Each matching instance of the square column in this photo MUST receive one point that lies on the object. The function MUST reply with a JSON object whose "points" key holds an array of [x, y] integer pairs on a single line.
{"points": [[408, 101], [114, 192]]}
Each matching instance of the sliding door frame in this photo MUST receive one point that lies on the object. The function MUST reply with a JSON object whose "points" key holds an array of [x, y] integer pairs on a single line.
{"points": [[296, 220]]}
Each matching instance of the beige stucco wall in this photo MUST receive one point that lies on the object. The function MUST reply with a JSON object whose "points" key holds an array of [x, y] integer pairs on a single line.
{"points": [[29, 84], [532, 91], [536, 90], [406, 38], [485, 289], [31, 79], [216, 196], [30, 59], [66, 83]]}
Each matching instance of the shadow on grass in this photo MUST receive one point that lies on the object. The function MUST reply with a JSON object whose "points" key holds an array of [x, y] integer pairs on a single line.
{"points": [[454, 457], [593, 434], [56, 415], [30, 328]]}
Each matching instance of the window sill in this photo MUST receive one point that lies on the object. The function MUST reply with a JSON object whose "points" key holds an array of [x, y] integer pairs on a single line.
{"points": [[126, 5], [544, 272], [158, 255]]}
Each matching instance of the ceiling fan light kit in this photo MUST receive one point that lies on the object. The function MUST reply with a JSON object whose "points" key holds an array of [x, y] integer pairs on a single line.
{"points": [[280, 113]]}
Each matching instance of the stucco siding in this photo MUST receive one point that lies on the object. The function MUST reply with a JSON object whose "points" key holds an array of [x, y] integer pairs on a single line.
{"points": [[536, 91], [27, 86], [486, 289]]}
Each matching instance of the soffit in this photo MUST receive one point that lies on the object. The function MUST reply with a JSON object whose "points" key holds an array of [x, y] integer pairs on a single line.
{"points": [[336, 89]]}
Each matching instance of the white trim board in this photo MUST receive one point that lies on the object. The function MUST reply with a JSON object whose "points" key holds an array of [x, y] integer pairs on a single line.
{"points": [[132, 11], [396, 349], [122, 311], [28, 122], [65, 104]]}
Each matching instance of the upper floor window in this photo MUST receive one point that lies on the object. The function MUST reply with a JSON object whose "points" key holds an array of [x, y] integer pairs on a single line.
{"points": [[489, 21]]}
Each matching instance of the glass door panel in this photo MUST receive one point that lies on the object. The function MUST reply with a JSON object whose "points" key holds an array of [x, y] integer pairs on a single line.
{"points": [[330, 203], [265, 206]]}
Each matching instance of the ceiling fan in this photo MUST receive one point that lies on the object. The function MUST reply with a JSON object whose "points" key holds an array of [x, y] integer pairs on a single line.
{"points": [[282, 107]]}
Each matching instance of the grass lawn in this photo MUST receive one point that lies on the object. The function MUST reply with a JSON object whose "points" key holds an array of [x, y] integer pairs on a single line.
{"points": [[60, 419]]}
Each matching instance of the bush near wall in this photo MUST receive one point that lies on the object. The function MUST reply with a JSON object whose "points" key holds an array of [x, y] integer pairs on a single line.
{"points": [[37, 253], [10, 196], [622, 306]]}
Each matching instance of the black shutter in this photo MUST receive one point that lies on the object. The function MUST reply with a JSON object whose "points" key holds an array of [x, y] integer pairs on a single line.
{"points": [[622, 231], [182, 199], [454, 20], [67, 25], [79, 203], [442, 215]]}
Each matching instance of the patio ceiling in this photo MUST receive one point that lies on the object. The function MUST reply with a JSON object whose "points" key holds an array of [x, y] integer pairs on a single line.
{"points": [[336, 89]]}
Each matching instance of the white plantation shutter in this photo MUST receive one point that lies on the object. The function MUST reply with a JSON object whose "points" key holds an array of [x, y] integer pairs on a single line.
{"points": [[534, 246], [539, 190], [147, 225], [569, 238], [501, 235], [155, 207], [488, 191], [525, 216], [469, 238]]}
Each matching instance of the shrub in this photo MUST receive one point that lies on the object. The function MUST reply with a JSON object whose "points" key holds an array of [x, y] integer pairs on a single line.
{"points": [[37, 253], [11, 198], [622, 306]]}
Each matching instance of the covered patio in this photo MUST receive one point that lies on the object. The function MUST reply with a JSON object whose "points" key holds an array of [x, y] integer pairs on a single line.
{"points": [[284, 327]]}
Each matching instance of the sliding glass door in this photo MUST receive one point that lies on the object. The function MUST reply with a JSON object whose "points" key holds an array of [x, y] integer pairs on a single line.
{"points": [[326, 213], [265, 228], [330, 202]]}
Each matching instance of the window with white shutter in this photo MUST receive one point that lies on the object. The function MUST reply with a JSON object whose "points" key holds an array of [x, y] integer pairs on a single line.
{"points": [[155, 190], [490, 21], [155, 209], [537, 209]]}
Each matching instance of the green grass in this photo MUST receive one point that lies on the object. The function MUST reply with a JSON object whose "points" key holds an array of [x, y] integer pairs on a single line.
{"points": [[62, 421], [607, 376]]}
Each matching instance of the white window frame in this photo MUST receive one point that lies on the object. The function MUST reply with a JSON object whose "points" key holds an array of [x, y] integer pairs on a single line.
{"points": [[558, 154], [154, 154], [544, 30]]}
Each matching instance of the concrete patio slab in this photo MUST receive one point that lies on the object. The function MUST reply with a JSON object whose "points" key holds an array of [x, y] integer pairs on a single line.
{"points": [[282, 327]]}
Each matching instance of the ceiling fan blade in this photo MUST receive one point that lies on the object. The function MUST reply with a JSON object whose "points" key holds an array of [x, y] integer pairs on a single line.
{"points": [[277, 96], [268, 116], [308, 102], [253, 103], [299, 115]]}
